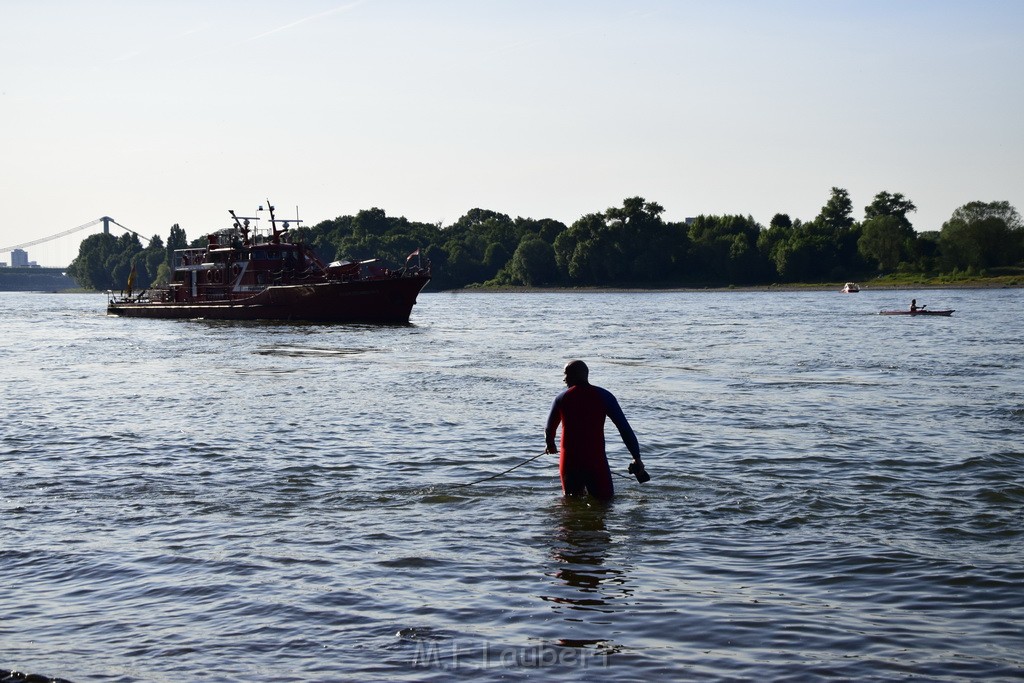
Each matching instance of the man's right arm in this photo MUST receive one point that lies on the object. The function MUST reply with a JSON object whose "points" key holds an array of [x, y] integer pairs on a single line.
{"points": [[554, 418]]}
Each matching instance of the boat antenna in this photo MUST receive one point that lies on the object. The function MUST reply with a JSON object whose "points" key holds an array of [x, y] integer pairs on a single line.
{"points": [[276, 238], [242, 224]]}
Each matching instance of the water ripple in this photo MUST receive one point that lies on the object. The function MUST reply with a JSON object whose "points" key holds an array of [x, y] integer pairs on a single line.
{"points": [[288, 501]]}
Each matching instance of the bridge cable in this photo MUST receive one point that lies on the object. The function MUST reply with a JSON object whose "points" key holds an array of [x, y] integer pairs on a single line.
{"points": [[53, 237]]}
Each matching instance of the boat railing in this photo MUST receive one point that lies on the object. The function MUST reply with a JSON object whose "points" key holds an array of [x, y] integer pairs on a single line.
{"points": [[189, 258], [122, 297]]}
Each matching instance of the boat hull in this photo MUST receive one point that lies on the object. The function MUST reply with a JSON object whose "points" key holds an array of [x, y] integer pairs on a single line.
{"points": [[374, 301], [936, 312]]}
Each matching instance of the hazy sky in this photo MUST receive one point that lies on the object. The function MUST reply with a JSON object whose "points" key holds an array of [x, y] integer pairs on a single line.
{"points": [[157, 113]]}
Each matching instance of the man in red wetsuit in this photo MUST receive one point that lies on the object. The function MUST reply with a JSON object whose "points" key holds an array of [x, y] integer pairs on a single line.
{"points": [[581, 410]]}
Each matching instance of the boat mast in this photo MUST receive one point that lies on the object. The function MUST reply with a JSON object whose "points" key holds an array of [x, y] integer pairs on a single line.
{"points": [[242, 225], [276, 238]]}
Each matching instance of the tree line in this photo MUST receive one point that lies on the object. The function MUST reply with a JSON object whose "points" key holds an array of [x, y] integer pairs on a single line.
{"points": [[628, 246], [104, 261]]}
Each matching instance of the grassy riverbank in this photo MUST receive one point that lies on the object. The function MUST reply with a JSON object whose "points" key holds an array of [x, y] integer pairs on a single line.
{"points": [[889, 282]]}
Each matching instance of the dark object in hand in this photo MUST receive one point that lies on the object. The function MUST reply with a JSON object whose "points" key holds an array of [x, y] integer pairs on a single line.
{"points": [[638, 471]]}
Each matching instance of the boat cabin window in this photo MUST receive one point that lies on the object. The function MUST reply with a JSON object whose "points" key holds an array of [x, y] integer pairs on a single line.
{"points": [[277, 254]]}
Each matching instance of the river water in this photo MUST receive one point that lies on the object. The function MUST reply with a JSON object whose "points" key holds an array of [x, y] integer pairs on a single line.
{"points": [[835, 494]]}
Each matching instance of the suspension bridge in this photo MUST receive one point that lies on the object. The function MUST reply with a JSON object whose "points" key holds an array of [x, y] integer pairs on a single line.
{"points": [[105, 221]]}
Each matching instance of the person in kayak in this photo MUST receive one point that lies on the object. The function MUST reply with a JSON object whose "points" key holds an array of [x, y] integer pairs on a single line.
{"points": [[914, 308], [581, 410]]}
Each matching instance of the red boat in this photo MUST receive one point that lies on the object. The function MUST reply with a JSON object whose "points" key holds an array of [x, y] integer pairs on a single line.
{"points": [[266, 277]]}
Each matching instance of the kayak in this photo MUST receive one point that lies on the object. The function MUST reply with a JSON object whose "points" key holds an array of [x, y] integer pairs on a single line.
{"points": [[920, 311]]}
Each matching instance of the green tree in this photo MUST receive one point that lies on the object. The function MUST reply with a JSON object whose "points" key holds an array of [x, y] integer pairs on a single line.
{"points": [[822, 249], [153, 256], [574, 249], [976, 211], [548, 229], [175, 240], [533, 264], [370, 222], [477, 247], [119, 263], [723, 249], [837, 213], [163, 275], [771, 242], [885, 240], [926, 251], [982, 235], [89, 267], [896, 205], [495, 256], [816, 250], [640, 246]]}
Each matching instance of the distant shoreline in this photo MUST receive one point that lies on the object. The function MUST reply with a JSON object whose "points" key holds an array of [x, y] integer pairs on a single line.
{"points": [[994, 283], [719, 290]]}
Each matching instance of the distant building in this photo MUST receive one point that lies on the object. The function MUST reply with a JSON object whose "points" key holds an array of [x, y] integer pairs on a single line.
{"points": [[19, 258]]}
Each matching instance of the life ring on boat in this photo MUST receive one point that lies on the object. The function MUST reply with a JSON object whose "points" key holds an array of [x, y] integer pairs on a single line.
{"points": [[235, 271], [215, 275]]}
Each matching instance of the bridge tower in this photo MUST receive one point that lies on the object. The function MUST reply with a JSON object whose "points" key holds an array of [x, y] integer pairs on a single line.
{"points": [[106, 224]]}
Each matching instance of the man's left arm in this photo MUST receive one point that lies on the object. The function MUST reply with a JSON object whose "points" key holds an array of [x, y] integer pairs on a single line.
{"points": [[622, 424]]}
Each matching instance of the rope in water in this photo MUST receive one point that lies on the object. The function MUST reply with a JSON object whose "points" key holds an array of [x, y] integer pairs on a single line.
{"points": [[525, 462], [500, 474]]}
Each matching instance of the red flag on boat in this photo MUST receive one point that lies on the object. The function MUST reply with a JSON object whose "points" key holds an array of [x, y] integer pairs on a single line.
{"points": [[410, 256]]}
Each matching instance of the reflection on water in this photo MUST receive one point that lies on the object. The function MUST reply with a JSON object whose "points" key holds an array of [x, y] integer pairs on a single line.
{"points": [[310, 351], [584, 580]]}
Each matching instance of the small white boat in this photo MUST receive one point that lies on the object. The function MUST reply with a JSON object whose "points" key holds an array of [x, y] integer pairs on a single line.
{"points": [[850, 288]]}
